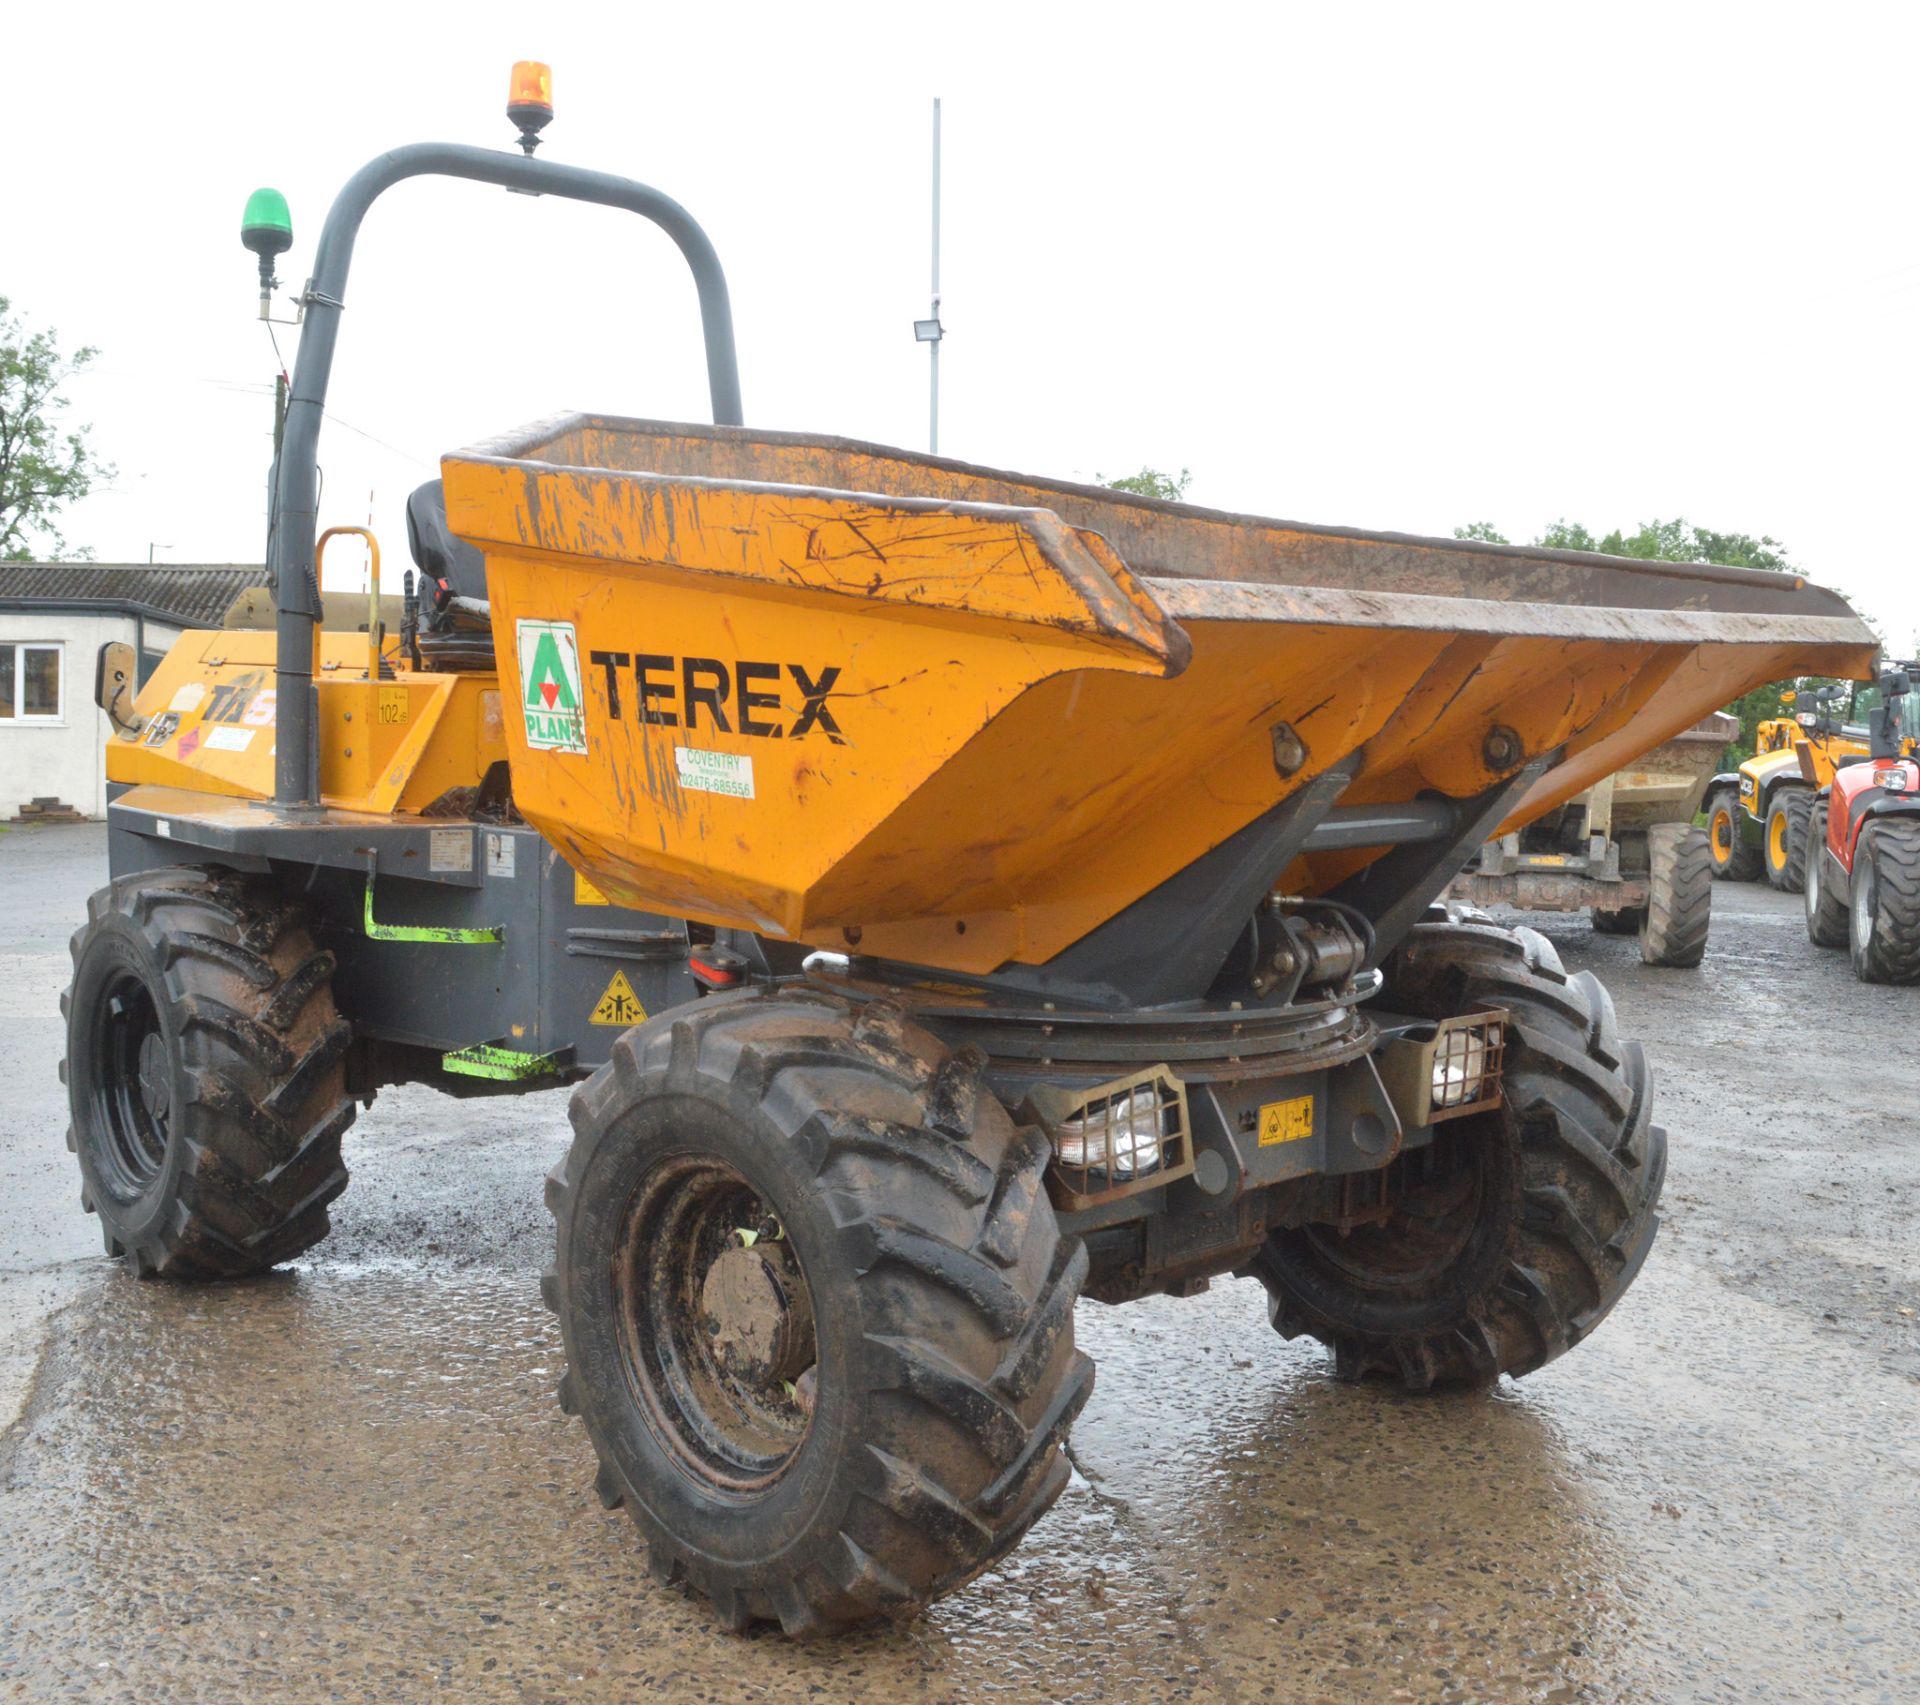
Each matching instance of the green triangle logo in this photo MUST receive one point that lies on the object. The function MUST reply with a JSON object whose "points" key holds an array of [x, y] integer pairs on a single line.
{"points": [[547, 685]]}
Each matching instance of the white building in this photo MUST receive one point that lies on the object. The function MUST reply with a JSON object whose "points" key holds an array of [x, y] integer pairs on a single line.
{"points": [[54, 617]]}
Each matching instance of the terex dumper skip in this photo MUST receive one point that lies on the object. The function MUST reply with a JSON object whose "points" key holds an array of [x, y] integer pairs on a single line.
{"points": [[948, 893]]}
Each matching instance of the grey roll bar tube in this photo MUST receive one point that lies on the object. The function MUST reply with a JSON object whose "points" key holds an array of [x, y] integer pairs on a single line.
{"points": [[296, 591]]}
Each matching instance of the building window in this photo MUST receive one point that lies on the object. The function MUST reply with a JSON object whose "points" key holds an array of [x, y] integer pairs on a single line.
{"points": [[32, 683]]}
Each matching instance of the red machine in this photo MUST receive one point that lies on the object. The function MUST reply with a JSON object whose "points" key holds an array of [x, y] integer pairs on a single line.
{"points": [[1863, 884]]}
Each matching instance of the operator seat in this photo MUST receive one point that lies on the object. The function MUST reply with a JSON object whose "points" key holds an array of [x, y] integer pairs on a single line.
{"points": [[452, 636], [459, 569]]}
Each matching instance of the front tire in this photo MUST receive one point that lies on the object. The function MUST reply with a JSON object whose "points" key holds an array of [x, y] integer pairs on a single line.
{"points": [[1883, 912], [1785, 842], [1734, 858], [871, 1410], [1679, 896], [205, 1074], [1516, 1230], [1826, 909]]}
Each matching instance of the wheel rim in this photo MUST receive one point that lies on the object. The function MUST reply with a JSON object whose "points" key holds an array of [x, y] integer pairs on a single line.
{"points": [[1863, 901], [1722, 835], [130, 1086], [1777, 840], [715, 1320], [1436, 1194]]}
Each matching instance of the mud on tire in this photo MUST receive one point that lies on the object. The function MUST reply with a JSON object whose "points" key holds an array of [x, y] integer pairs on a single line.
{"points": [[1680, 896], [940, 1291], [1826, 906], [1517, 1230], [1619, 920], [1788, 818], [1883, 935], [1735, 859], [205, 1074]]}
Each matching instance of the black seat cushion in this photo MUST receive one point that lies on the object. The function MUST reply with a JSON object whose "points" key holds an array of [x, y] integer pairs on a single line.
{"points": [[436, 552]]}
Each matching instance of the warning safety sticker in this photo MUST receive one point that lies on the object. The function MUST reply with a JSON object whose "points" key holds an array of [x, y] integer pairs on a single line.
{"points": [[619, 1006]]}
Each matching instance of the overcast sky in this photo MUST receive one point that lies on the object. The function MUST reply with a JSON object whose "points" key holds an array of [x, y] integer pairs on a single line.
{"points": [[1379, 266]]}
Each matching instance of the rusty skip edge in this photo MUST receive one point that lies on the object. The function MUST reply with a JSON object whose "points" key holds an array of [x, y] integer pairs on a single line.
{"points": [[1115, 606], [1142, 612], [1155, 536]]}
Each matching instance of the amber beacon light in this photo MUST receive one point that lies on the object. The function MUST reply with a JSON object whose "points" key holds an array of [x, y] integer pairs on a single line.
{"points": [[530, 101]]}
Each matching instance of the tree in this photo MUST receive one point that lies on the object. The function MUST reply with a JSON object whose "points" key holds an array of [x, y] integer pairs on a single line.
{"points": [[1679, 540], [42, 468], [1483, 531], [1151, 482]]}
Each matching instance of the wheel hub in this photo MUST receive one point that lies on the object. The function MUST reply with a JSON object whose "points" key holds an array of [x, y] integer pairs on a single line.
{"points": [[757, 1314], [155, 1089], [717, 1325]]}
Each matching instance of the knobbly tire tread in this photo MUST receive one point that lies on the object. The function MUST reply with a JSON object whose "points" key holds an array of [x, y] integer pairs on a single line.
{"points": [[261, 1102], [1576, 1158], [1892, 950], [1619, 920], [1679, 896], [1747, 860], [941, 1214], [1796, 804], [1826, 910]]}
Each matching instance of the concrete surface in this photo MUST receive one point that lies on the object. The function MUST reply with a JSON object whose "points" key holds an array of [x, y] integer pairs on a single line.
{"points": [[351, 1481]]}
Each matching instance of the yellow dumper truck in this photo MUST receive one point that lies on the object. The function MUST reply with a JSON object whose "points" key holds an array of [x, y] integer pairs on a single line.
{"points": [[1627, 848], [941, 894]]}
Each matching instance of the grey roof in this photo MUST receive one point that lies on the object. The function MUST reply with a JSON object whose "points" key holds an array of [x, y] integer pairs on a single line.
{"points": [[193, 595]]}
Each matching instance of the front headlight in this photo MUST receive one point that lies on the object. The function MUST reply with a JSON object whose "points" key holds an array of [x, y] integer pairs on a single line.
{"points": [[1120, 1137], [1463, 1063], [1113, 1138]]}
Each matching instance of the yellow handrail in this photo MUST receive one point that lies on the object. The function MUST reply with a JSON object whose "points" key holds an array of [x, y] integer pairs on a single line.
{"points": [[373, 595]]}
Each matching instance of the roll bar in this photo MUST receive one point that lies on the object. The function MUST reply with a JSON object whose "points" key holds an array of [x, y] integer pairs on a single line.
{"points": [[296, 482]]}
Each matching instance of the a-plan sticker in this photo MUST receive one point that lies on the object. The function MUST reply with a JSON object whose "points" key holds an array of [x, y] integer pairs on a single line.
{"points": [[550, 696]]}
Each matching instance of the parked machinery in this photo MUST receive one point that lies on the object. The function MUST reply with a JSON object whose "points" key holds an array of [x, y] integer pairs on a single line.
{"points": [[1758, 815], [1862, 880], [1628, 848], [945, 892]]}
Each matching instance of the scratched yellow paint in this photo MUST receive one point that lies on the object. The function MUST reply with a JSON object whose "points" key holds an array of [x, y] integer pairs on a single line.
{"points": [[846, 697], [385, 746], [1025, 741]]}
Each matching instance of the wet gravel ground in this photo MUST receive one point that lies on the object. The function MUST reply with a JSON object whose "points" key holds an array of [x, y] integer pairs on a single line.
{"points": [[350, 1480]]}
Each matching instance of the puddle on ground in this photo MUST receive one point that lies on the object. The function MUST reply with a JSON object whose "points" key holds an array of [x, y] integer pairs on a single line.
{"points": [[352, 1481]]}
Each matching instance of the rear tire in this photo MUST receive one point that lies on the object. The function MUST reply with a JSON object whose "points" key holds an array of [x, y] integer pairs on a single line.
{"points": [[205, 1074], [1680, 896], [1734, 858], [1883, 910], [1625, 920], [1516, 1231], [1826, 908], [924, 1435], [1785, 842]]}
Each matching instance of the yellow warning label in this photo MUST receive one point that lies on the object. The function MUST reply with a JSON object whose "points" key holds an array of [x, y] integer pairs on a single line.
{"points": [[619, 1006], [393, 708], [585, 894], [1286, 1121]]}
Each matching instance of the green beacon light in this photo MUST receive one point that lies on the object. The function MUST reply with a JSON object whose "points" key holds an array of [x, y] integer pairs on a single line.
{"points": [[267, 229]]}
